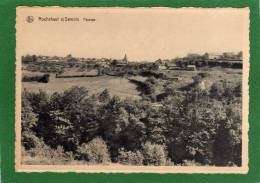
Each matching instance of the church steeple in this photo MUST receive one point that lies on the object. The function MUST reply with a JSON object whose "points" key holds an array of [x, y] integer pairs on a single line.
{"points": [[125, 59]]}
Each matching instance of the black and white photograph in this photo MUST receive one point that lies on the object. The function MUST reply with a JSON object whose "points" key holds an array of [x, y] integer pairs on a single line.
{"points": [[132, 89]]}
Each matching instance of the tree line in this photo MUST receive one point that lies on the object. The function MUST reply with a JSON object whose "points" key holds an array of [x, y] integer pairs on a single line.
{"points": [[192, 127]]}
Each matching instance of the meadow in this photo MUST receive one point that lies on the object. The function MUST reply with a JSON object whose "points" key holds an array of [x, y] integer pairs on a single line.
{"points": [[122, 87], [116, 85]]}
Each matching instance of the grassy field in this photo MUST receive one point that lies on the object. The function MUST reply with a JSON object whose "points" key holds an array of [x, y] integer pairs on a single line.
{"points": [[231, 76], [116, 85], [122, 87]]}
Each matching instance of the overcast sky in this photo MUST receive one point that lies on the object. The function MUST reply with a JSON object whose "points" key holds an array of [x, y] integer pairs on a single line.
{"points": [[143, 34]]}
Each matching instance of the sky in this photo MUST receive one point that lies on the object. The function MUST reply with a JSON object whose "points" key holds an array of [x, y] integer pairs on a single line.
{"points": [[144, 34]]}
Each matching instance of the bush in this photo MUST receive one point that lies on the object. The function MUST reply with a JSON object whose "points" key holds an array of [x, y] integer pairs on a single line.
{"points": [[238, 90], [197, 79], [40, 153], [154, 154], [42, 79], [170, 90], [203, 74], [45, 78], [217, 90], [190, 163], [94, 152], [28, 117], [169, 162], [130, 158], [229, 92], [29, 140]]}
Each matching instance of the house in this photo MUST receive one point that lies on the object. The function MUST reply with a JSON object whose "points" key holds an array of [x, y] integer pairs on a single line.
{"points": [[118, 64], [172, 66], [214, 56], [232, 56], [90, 64], [104, 64], [162, 67], [191, 67]]}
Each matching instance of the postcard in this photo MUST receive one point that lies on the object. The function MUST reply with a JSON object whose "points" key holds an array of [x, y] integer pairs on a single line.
{"points": [[132, 90]]}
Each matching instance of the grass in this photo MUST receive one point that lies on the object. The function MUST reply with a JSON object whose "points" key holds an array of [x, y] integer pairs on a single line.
{"points": [[123, 88], [232, 76], [116, 85]]}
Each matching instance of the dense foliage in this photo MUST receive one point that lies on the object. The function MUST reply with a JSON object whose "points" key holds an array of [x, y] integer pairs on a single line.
{"points": [[42, 79], [195, 125]]}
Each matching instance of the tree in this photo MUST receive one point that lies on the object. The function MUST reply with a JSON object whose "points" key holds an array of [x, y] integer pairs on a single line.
{"points": [[28, 117], [29, 121], [60, 122], [39, 101], [45, 78], [90, 121], [240, 55], [73, 96], [206, 56], [197, 79], [228, 140], [94, 152], [104, 96], [134, 134], [217, 90], [29, 58], [238, 90], [150, 85], [34, 58], [114, 125], [190, 128], [170, 90], [154, 154], [130, 157], [155, 127]]}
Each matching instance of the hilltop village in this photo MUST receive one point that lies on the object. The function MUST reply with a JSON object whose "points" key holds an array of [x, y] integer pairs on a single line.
{"points": [[191, 62]]}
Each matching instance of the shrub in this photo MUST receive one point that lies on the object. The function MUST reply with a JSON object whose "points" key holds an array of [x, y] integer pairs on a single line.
{"points": [[30, 78], [94, 152], [104, 96], [28, 117], [152, 97], [42, 79], [29, 140], [238, 90], [190, 163], [203, 74], [197, 79], [154, 154], [45, 78], [217, 90], [228, 141], [229, 92], [170, 89], [40, 153], [130, 158], [169, 162]]}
